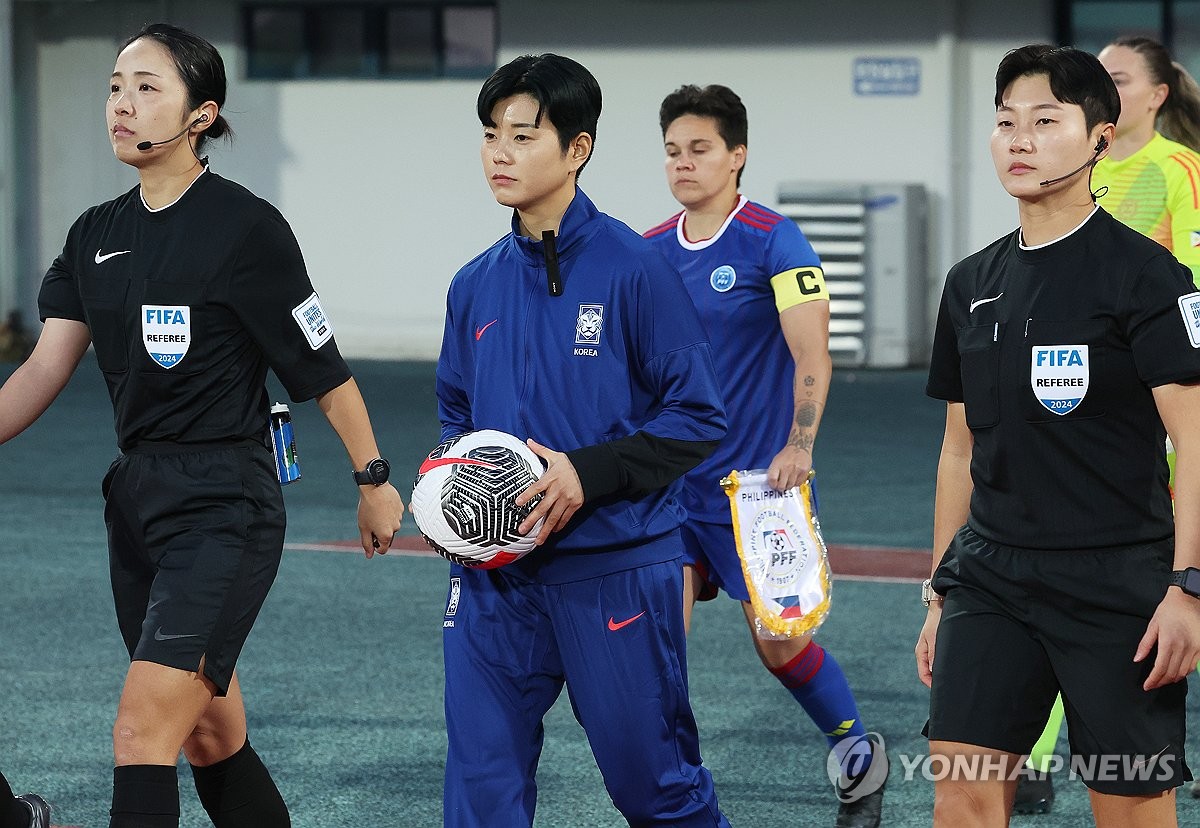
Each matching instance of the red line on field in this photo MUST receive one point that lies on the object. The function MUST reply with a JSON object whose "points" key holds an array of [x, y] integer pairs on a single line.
{"points": [[869, 563]]}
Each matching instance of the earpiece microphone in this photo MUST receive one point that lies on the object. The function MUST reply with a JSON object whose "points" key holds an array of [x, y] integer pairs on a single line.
{"points": [[1101, 145], [145, 145]]}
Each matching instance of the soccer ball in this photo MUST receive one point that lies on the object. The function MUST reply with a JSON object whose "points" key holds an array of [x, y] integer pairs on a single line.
{"points": [[463, 498]]}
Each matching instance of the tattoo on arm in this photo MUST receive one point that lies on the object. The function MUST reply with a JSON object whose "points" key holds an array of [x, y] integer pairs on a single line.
{"points": [[802, 436], [806, 415], [801, 441]]}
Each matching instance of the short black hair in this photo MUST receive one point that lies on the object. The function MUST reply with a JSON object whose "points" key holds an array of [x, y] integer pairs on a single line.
{"points": [[713, 101], [1076, 77], [565, 91], [200, 66]]}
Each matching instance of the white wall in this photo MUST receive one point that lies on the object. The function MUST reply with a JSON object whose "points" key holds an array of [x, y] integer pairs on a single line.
{"points": [[381, 179]]}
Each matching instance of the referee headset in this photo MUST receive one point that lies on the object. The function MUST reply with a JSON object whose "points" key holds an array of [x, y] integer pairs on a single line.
{"points": [[145, 146], [1101, 146]]}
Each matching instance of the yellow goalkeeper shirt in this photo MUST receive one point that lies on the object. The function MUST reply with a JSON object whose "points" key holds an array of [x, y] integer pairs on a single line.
{"points": [[1156, 191]]}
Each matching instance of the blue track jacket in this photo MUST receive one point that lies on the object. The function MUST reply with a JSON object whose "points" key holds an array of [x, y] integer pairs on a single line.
{"points": [[621, 350]]}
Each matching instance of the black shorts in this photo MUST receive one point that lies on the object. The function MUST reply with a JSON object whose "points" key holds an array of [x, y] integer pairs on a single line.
{"points": [[195, 536], [1021, 625]]}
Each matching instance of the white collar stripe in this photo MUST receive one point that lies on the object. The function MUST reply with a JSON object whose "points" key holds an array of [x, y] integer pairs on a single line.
{"points": [[1063, 236], [173, 203], [703, 243]]}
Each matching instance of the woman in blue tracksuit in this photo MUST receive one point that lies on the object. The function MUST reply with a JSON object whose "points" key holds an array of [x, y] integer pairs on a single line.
{"points": [[571, 332]]}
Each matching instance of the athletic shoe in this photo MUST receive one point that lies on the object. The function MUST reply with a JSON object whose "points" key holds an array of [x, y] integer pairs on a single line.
{"points": [[39, 810], [1035, 794], [862, 813], [861, 800]]}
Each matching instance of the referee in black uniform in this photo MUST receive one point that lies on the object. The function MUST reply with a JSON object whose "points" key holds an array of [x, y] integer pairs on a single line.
{"points": [[190, 287], [1063, 350]]}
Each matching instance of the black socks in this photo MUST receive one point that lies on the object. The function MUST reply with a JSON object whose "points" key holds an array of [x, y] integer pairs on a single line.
{"points": [[238, 792], [145, 796]]}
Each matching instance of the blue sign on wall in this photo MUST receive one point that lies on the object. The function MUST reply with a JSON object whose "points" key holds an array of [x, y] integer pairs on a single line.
{"points": [[887, 76]]}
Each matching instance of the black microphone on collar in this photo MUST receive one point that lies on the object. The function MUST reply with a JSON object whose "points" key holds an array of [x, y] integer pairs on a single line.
{"points": [[1101, 145], [550, 251], [145, 145]]}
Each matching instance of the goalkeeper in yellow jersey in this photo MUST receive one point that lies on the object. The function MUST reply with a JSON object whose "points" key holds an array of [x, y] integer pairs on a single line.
{"points": [[1152, 171]]}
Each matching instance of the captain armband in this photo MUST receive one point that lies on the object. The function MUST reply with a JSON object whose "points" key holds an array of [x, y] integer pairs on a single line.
{"points": [[797, 286]]}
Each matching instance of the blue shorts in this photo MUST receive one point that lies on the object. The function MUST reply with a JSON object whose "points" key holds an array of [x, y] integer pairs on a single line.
{"points": [[710, 548], [617, 642]]}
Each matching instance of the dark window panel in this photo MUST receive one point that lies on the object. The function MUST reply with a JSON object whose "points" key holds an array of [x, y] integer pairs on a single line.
{"points": [[411, 41], [470, 40], [276, 43]]}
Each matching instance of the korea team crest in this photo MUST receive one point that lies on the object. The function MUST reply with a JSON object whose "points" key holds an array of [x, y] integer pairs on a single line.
{"points": [[166, 333], [452, 601], [1059, 375], [589, 324]]}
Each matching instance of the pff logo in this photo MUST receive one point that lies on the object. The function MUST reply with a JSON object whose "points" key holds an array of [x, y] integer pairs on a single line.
{"points": [[858, 766]]}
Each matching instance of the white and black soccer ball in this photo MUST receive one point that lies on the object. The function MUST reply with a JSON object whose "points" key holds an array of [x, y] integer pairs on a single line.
{"points": [[464, 496]]}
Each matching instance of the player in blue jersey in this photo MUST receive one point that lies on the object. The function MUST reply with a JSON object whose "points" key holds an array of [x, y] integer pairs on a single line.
{"points": [[573, 333], [761, 294]]}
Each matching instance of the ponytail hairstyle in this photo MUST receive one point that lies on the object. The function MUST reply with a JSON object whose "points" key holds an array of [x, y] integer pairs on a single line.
{"points": [[1179, 116], [200, 67]]}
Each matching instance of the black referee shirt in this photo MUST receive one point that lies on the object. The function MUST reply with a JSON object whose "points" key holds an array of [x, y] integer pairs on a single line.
{"points": [[1055, 351], [188, 306]]}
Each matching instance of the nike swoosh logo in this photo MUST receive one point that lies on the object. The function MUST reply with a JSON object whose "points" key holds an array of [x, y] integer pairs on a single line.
{"points": [[159, 635], [432, 463], [101, 259], [1139, 762], [479, 331], [979, 302], [615, 625]]}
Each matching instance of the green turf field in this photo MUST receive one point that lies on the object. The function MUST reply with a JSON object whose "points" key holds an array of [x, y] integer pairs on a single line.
{"points": [[343, 672]]}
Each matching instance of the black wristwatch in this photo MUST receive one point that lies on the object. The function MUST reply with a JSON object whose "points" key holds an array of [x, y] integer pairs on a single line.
{"points": [[1188, 580], [375, 474]]}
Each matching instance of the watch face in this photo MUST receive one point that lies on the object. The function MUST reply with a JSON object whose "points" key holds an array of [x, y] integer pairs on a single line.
{"points": [[378, 470], [1190, 582]]}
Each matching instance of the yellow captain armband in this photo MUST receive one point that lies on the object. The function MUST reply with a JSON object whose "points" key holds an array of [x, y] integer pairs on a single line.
{"points": [[797, 286]]}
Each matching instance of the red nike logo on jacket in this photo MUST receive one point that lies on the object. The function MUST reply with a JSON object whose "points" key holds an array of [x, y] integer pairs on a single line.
{"points": [[615, 625], [479, 331]]}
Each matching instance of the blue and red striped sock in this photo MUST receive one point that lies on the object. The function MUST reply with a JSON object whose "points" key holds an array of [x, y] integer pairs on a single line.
{"points": [[815, 679]]}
